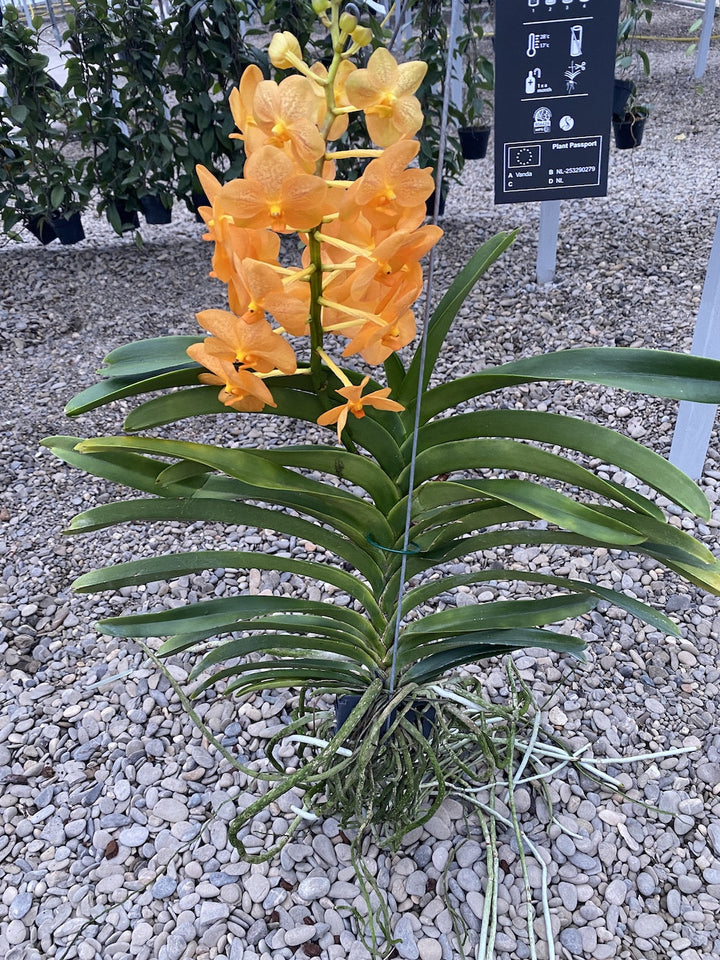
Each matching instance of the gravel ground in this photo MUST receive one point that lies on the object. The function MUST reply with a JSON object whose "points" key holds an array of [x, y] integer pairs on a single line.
{"points": [[103, 776]]}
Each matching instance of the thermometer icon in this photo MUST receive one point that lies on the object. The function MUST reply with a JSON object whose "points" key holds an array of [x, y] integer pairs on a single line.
{"points": [[531, 48]]}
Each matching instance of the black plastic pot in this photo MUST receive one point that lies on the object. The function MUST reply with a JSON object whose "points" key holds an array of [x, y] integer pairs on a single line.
{"points": [[68, 229], [41, 228], [628, 131], [474, 142], [129, 219], [421, 714], [430, 203], [154, 210], [622, 91], [199, 200]]}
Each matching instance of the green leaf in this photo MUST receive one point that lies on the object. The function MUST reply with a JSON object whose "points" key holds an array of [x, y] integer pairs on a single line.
{"points": [[128, 469], [308, 671], [266, 482], [657, 373], [19, 113], [495, 615], [446, 311], [555, 507], [569, 432], [106, 391], [491, 643], [144, 358], [338, 462], [135, 572], [517, 456], [228, 513], [288, 645], [642, 611], [224, 613]]}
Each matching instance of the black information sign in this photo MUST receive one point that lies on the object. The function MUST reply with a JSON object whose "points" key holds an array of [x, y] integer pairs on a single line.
{"points": [[554, 65]]}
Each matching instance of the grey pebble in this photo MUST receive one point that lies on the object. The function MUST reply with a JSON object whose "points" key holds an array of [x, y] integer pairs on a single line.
{"points": [[571, 939], [20, 905], [407, 948], [164, 887], [648, 925], [312, 888], [134, 836]]}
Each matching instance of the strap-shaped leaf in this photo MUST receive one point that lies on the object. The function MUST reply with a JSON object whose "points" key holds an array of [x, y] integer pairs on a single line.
{"points": [[203, 401], [228, 513], [642, 611], [574, 434], [308, 671], [143, 358], [106, 391], [123, 467], [657, 373], [277, 644], [490, 643], [675, 543], [497, 614], [223, 613], [555, 507], [135, 572], [342, 464], [271, 483], [447, 310], [517, 456]]}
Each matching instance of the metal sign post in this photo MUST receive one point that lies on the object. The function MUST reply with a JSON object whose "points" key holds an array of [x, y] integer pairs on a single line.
{"points": [[695, 420], [704, 41], [554, 65]]}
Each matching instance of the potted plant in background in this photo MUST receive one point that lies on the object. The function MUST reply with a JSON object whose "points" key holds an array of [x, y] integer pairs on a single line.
{"points": [[144, 109], [47, 186], [478, 82], [94, 77], [430, 44], [203, 56], [631, 62]]}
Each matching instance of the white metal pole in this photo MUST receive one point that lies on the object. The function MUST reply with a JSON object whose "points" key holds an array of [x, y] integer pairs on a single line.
{"points": [[547, 240], [695, 420], [704, 41]]}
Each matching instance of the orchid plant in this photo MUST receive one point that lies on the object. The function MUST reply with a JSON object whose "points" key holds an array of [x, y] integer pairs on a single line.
{"points": [[410, 485]]}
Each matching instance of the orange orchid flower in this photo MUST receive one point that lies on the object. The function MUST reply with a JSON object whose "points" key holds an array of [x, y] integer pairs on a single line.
{"points": [[247, 346], [384, 90], [273, 194], [396, 259], [286, 114], [241, 389], [287, 300], [390, 194], [340, 123], [376, 341], [241, 100], [231, 241], [355, 404]]}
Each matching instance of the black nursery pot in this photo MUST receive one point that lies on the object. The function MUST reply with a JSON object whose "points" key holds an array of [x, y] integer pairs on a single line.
{"points": [[421, 715], [474, 142], [41, 229], [199, 200], [622, 91], [69, 229], [430, 203], [129, 219], [628, 131], [154, 210]]}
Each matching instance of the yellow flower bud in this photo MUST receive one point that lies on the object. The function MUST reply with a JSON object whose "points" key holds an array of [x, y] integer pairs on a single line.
{"points": [[320, 6], [362, 36], [347, 22], [283, 47]]}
